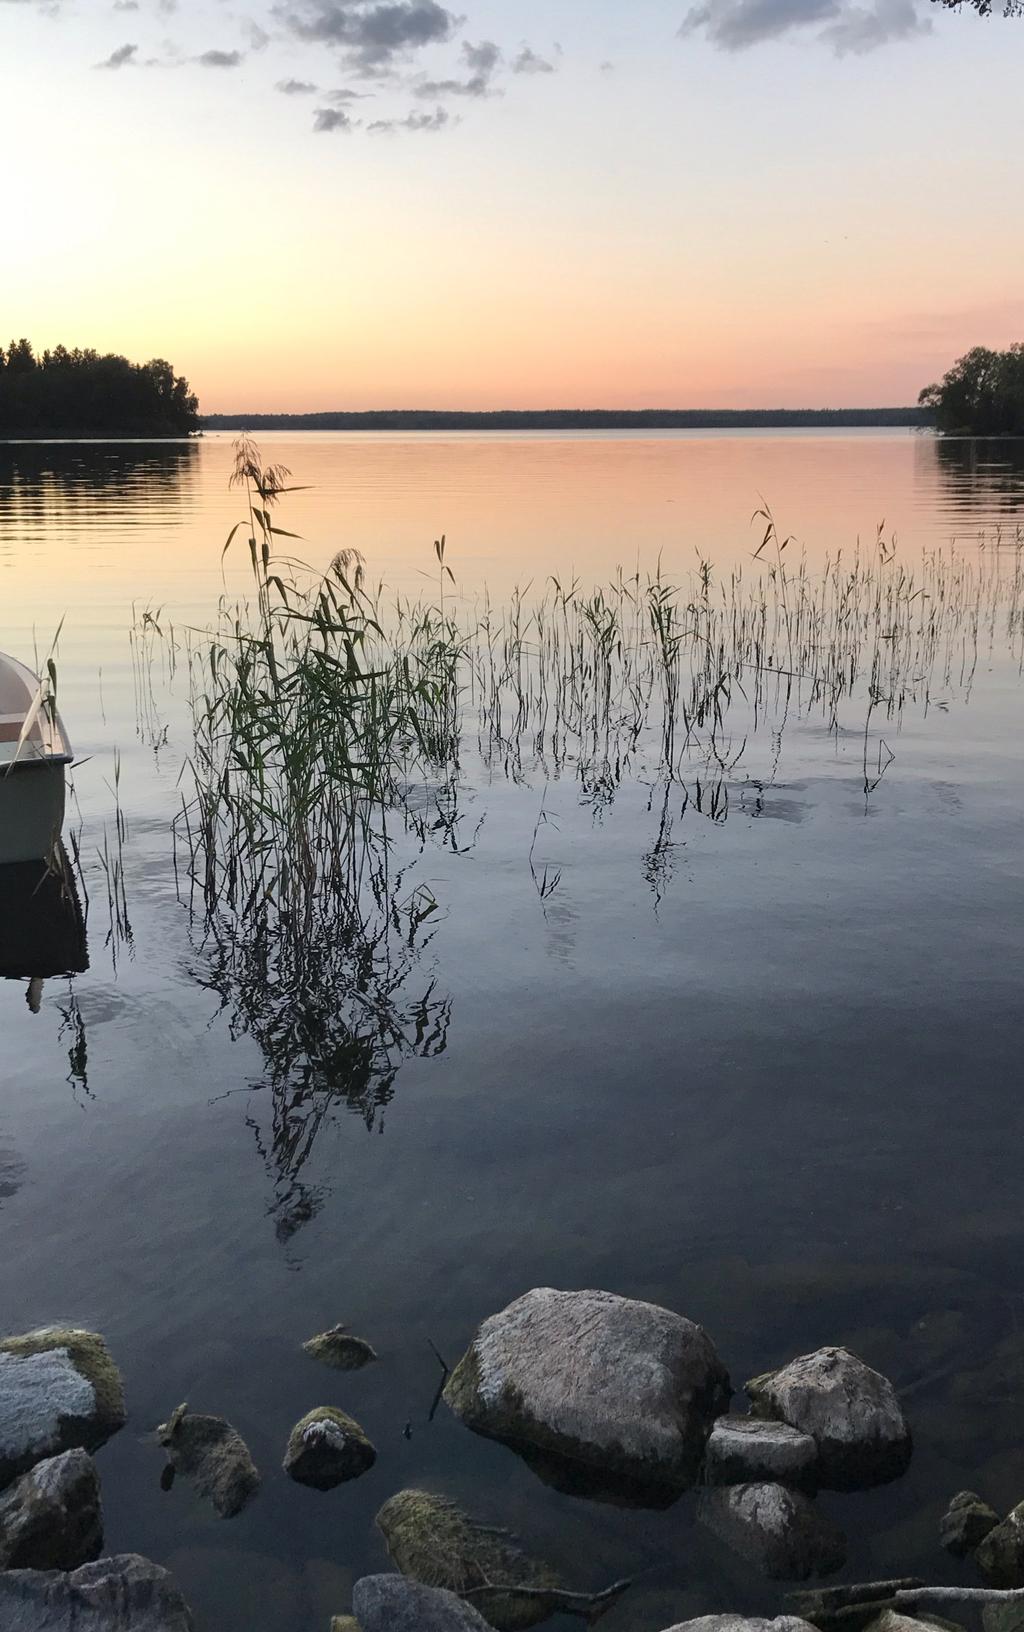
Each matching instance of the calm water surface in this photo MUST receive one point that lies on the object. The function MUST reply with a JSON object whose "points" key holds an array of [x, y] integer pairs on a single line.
{"points": [[764, 1070]]}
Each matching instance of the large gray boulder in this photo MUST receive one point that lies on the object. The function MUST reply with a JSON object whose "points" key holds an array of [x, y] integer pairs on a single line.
{"points": [[50, 1518], [390, 1603], [125, 1593], [779, 1531], [59, 1389], [624, 1388], [745, 1449], [1000, 1556], [327, 1447], [850, 1411], [742, 1623]]}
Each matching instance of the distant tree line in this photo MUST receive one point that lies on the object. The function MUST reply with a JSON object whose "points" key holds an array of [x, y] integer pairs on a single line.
{"points": [[981, 395], [563, 419], [84, 393]]}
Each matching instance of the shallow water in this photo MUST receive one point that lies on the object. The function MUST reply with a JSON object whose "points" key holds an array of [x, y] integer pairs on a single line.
{"points": [[764, 1070]]}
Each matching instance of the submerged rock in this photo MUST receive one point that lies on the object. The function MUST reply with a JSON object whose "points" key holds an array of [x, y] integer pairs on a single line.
{"points": [[213, 1457], [125, 1593], [965, 1523], [345, 1623], [434, 1542], [50, 1518], [850, 1411], [338, 1348], [742, 1623], [1005, 1617], [779, 1531], [389, 1603], [622, 1387], [893, 1620], [326, 1448], [1000, 1555], [59, 1390], [744, 1449]]}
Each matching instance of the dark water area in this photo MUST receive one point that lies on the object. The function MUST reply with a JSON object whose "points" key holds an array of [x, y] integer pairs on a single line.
{"points": [[757, 1062]]}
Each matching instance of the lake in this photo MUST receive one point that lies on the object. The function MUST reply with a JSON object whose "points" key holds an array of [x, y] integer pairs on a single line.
{"points": [[744, 1040]]}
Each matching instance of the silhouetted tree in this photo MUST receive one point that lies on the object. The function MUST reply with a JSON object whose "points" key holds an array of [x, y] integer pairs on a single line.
{"points": [[82, 392], [982, 394], [1011, 8]]}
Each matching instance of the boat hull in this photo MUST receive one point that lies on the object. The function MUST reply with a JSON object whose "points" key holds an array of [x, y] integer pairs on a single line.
{"points": [[31, 810]]}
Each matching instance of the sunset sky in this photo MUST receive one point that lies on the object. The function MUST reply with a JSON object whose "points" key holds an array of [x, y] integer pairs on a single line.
{"points": [[378, 203]]}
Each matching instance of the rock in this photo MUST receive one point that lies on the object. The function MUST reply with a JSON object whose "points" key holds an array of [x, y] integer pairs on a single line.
{"points": [[851, 1606], [125, 1593], [213, 1457], [966, 1523], [389, 1603], [1000, 1556], [50, 1518], [348, 1623], [337, 1348], [745, 1449], [779, 1531], [326, 1448], [892, 1620], [59, 1390], [434, 1542], [742, 1623], [1007, 1617], [850, 1411], [622, 1387]]}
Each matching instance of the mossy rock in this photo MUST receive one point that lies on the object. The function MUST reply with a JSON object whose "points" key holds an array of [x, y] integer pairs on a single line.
{"points": [[344, 1623], [213, 1457], [59, 1391], [327, 1448], [339, 1349], [433, 1541]]}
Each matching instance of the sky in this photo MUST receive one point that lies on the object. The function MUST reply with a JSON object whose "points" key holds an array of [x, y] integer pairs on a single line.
{"points": [[314, 204]]}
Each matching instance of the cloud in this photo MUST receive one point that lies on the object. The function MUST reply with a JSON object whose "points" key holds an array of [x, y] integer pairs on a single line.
{"points": [[258, 37], [295, 87], [437, 120], [123, 57], [734, 25], [482, 61], [126, 5], [220, 59], [325, 119], [372, 33], [528, 62]]}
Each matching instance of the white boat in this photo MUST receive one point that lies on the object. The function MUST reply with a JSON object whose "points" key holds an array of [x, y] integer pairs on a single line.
{"points": [[34, 751]]}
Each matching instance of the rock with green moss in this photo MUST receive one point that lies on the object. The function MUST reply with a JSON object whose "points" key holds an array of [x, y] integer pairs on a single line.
{"points": [[125, 1593], [434, 1542], [965, 1523], [50, 1518], [1000, 1556], [339, 1349], [213, 1457], [59, 1391], [623, 1388], [326, 1448], [345, 1623]]}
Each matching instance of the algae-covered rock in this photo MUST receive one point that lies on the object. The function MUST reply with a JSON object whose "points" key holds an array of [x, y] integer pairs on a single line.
{"points": [[212, 1456], [1000, 1556], [125, 1593], [742, 1623], [326, 1448], [345, 1623], [1004, 1617], [742, 1450], [390, 1603], [849, 1607], [59, 1390], [622, 1387], [434, 1542], [779, 1531], [338, 1348], [50, 1518], [850, 1411], [965, 1523]]}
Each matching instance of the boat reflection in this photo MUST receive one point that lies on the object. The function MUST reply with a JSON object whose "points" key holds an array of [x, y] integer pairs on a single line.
{"points": [[42, 926]]}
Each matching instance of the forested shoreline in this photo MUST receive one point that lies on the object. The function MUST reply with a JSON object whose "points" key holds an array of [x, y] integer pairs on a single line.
{"points": [[82, 392]]}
